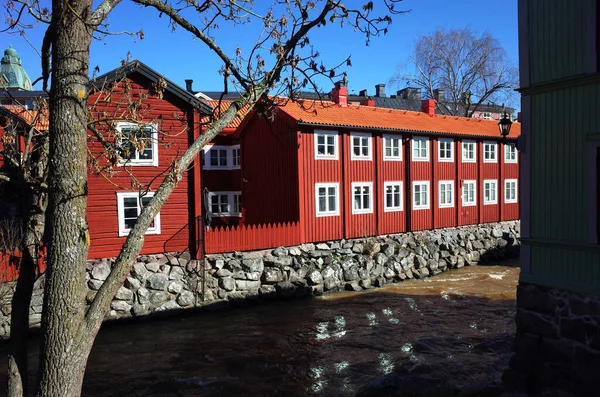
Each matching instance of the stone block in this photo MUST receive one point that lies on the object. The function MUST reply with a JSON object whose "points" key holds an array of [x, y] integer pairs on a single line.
{"points": [[535, 323], [132, 283], [185, 299], [157, 282], [227, 283], [253, 265], [124, 294], [120, 306], [153, 267], [176, 273], [101, 271], [245, 285], [272, 275], [175, 287], [140, 272]]}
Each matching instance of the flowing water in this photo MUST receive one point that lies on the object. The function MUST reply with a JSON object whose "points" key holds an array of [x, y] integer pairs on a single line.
{"points": [[454, 329]]}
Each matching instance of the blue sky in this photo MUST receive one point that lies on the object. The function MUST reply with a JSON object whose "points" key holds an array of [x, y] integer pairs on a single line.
{"points": [[179, 56]]}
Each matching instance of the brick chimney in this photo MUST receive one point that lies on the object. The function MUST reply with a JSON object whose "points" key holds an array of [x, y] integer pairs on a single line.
{"points": [[368, 102], [380, 90], [428, 106], [188, 85], [339, 94], [362, 93]]}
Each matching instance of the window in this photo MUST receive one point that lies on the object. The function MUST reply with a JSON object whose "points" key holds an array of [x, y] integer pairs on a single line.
{"points": [[510, 191], [486, 115], [235, 157], [468, 151], [421, 195], [129, 206], [469, 194], [138, 144], [218, 157], [327, 200], [392, 148], [361, 194], [446, 150], [489, 152], [420, 149], [326, 145], [361, 146], [510, 153], [446, 194], [489, 192], [225, 203], [393, 196]]}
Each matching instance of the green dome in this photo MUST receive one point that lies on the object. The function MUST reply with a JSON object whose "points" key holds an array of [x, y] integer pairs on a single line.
{"points": [[12, 74]]}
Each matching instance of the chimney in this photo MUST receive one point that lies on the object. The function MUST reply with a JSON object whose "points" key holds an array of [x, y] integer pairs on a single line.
{"points": [[188, 85], [339, 94], [411, 93], [428, 106], [362, 93], [519, 117], [368, 102], [380, 90], [438, 95]]}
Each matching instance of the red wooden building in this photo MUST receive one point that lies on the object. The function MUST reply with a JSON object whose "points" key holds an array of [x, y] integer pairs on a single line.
{"points": [[345, 171]]}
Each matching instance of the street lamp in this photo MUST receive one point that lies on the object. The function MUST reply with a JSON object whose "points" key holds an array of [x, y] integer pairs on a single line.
{"points": [[504, 124]]}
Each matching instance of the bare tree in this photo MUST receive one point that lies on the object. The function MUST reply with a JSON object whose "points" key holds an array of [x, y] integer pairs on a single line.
{"points": [[281, 60], [469, 69]]}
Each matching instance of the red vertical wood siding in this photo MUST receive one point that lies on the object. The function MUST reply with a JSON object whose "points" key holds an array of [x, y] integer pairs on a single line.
{"points": [[251, 237], [269, 162], [491, 212], [468, 215], [421, 171], [359, 225], [445, 171], [170, 115], [390, 171], [321, 171]]}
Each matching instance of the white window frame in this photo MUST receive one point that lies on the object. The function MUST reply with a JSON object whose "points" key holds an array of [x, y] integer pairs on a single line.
{"points": [[506, 199], [230, 203], [229, 150], [488, 144], [466, 159], [361, 185], [361, 157], [472, 183], [235, 166], [335, 155], [421, 206], [486, 115], [327, 212], [508, 150], [451, 203], [141, 162], [400, 191], [449, 159], [121, 196], [392, 157], [487, 201], [420, 139]]}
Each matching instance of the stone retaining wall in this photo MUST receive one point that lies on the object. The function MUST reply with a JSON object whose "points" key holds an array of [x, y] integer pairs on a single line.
{"points": [[159, 283], [557, 346]]}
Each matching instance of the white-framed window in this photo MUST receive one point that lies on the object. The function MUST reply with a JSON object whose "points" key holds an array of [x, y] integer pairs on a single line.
{"points": [[446, 194], [393, 196], [490, 191], [362, 202], [326, 145], [489, 152], [510, 153], [225, 203], [392, 148], [469, 193], [510, 191], [360, 146], [327, 199], [486, 115], [420, 149], [138, 144], [220, 157], [420, 195], [469, 151], [446, 150], [129, 207]]}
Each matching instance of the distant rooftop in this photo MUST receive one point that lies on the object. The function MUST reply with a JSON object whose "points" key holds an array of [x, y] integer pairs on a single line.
{"points": [[12, 74]]}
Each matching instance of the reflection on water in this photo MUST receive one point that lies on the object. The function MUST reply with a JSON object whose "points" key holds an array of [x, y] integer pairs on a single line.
{"points": [[456, 327]]}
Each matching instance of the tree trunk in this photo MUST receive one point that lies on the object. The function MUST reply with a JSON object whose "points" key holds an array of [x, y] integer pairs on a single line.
{"points": [[65, 347]]}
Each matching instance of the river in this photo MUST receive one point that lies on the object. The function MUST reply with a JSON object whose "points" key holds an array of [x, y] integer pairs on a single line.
{"points": [[454, 330]]}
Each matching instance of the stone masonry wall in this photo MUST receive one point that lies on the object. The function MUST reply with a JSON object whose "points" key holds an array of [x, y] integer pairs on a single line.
{"points": [[160, 283], [557, 344]]}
